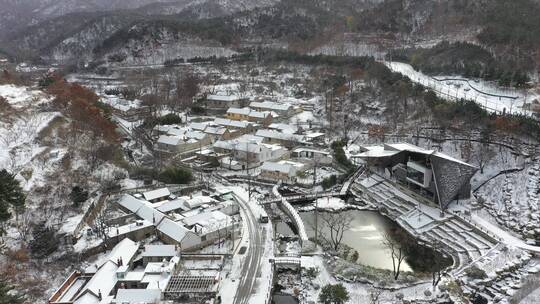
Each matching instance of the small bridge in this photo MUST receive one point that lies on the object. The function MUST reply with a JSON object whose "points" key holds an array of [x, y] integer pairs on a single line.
{"points": [[287, 261], [347, 184], [297, 198]]}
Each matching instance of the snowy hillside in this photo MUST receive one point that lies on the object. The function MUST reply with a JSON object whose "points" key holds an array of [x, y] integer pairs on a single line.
{"points": [[20, 131]]}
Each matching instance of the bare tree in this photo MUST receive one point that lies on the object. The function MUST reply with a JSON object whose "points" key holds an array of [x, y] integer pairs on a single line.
{"points": [[336, 224], [101, 226], [24, 225], [374, 295], [397, 251], [483, 155], [187, 86], [436, 265]]}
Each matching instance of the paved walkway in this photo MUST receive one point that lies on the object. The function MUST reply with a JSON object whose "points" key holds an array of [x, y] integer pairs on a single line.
{"points": [[503, 235]]}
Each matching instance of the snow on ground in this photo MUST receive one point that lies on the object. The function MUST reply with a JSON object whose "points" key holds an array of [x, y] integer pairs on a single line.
{"points": [[131, 183], [358, 292], [532, 298], [331, 203], [120, 103], [322, 173], [468, 89], [19, 133], [19, 96]]}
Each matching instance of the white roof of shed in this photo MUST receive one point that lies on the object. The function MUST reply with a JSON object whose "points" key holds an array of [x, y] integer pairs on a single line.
{"points": [[159, 251], [138, 296], [270, 105], [158, 193], [222, 97], [169, 140]]}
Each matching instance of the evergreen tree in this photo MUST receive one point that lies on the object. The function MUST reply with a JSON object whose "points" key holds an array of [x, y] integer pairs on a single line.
{"points": [[333, 294], [5, 296], [174, 175], [11, 195], [354, 256], [44, 241], [78, 195]]}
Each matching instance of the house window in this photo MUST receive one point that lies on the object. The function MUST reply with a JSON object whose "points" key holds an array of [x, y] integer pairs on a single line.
{"points": [[415, 175]]}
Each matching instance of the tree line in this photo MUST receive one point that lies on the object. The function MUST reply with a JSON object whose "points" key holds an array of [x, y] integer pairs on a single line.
{"points": [[464, 59]]}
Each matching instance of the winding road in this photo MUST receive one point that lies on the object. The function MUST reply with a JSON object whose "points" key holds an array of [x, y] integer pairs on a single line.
{"points": [[254, 253]]}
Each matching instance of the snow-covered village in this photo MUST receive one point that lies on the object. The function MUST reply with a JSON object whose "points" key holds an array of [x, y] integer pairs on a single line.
{"points": [[269, 152]]}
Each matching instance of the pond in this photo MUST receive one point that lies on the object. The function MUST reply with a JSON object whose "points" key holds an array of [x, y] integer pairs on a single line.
{"points": [[366, 235]]}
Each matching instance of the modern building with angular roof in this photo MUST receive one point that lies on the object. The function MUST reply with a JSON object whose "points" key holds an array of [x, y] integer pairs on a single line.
{"points": [[430, 172]]}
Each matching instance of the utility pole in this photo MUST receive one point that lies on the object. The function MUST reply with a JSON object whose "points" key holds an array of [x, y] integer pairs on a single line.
{"points": [[232, 236], [200, 168], [315, 163], [249, 175]]}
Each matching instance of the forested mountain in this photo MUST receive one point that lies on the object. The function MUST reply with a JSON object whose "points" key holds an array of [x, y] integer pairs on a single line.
{"points": [[102, 29]]}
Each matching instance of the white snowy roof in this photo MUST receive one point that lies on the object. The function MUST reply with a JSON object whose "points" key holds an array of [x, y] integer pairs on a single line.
{"points": [[199, 126], [285, 128], [174, 230], [159, 251], [215, 130], [150, 214], [450, 158], [138, 225], [408, 147], [376, 151], [130, 203], [169, 140], [104, 280], [281, 166], [172, 205], [158, 193], [250, 138], [222, 97], [198, 201], [126, 249], [137, 296], [240, 146], [304, 149], [174, 131], [270, 105], [206, 218], [392, 149], [232, 123], [261, 115], [278, 135], [240, 111], [314, 135]]}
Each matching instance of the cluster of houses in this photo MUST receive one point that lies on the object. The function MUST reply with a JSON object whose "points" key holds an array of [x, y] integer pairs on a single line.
{"points": [[134, 272], [249, 135], [189, 223], [138, 272]]}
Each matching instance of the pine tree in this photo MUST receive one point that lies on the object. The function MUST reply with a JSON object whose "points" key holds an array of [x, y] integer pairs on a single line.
{"points": [[333, 294], [5, 295], [78, 195], [11, 195], [44, 241]]}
